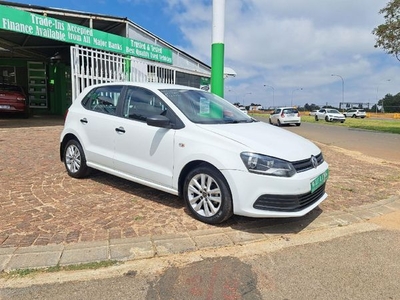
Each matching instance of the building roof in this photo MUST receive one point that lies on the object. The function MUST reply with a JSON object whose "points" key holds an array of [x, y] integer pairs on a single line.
{"points": [[19, 45]]}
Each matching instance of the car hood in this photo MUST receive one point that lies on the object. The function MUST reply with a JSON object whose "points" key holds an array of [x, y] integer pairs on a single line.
{"points": [[266, 139]]}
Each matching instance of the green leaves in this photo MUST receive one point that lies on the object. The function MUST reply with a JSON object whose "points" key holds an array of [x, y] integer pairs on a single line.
{"points": [[388, 34]]}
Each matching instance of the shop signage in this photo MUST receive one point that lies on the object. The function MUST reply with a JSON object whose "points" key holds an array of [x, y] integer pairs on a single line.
{"points": [[17, 20]]}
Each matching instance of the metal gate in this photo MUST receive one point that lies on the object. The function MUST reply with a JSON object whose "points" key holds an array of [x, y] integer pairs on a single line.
{"points": [[91, 66]]}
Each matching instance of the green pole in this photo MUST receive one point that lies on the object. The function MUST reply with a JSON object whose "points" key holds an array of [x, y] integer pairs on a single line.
{"points": [[217, 69], [218, 48]]}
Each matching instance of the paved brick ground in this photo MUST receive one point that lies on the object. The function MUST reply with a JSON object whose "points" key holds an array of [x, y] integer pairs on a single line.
{"points": [[40, 204]]}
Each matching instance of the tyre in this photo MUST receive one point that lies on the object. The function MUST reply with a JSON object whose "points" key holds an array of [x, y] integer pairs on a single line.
{"points": [[298, 124], [327, 119], [75, 160], [270, 121], [316, 118], [279, 123], [354, 116], [207, 195]]}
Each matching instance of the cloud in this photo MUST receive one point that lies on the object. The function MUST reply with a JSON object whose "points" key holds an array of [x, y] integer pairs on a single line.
{"points": [[289, 43]]}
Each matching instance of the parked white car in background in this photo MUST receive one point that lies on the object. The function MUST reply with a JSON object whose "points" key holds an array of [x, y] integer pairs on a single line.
{"points": [[355, 113], [285, 115], [329, 115], [194, 144]]}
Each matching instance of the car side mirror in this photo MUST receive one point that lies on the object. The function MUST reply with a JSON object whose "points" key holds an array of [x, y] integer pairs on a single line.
{"points": [[159, 121]]}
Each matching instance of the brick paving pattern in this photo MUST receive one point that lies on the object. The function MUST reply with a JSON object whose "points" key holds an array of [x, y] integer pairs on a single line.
{"points": [[40, 204]]}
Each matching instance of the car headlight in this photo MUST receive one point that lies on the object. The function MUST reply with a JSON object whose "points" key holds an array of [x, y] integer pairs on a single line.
{"points": [[267, 165]]}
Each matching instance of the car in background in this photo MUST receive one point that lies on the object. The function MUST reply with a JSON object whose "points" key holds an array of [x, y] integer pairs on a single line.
{"points": [[194, 144], [243, 109], [285, 116], [355, 113], [13, 100], [329, 115], [313, 112]]}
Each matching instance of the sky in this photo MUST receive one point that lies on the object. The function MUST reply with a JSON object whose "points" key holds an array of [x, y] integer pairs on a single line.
{"points": [[284, 52]]}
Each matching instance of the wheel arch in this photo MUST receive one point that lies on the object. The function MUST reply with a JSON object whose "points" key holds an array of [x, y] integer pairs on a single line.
{"points": [[192, 165], [64, 142]]}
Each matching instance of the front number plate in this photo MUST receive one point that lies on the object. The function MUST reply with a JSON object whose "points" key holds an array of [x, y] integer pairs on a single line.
{"points": [[320, 180], [5, 106]]}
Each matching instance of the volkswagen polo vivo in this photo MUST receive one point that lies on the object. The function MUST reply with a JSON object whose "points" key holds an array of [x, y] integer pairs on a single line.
{"points": [[194, 144]]}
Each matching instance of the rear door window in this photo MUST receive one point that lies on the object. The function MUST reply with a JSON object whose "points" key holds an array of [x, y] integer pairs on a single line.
{"points": [[103, 99]]}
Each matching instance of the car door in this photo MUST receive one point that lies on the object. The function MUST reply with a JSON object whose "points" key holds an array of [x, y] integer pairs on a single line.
{"points": [[144, 152], [97, 125], [275, 115], [321, 114]]}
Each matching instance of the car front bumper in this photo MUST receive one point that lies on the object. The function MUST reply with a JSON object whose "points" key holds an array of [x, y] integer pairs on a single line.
{"points": [[261, 196]]}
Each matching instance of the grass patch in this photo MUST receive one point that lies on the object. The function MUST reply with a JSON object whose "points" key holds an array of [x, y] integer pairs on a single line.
{"points": [[382, 125], [58, 268]]}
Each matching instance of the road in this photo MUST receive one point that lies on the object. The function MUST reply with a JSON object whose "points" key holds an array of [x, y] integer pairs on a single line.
{"points": [[360, 261], [385, 146]]}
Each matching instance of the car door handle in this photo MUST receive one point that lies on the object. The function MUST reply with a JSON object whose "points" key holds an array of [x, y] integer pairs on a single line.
{"points": [[84, 120], [120, 129]]}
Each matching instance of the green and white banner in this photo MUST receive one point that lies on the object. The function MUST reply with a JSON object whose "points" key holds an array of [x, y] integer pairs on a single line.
{"points": [[17, 20]]}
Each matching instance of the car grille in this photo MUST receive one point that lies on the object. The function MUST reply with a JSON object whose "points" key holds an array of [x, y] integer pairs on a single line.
{"points": [[306, 164], [288, 203]]}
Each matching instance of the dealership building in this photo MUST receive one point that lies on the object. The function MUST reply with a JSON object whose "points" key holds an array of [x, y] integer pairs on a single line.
{"points": [[53, 54]]}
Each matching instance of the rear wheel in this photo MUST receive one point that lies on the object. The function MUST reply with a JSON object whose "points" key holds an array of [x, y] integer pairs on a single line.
{"points": [[298, 124], [279, 123], [316, 118], [207, 195], [75, 160]]}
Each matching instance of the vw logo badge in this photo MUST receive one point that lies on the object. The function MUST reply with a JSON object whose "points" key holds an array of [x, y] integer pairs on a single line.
{"points": [[314, 161]]}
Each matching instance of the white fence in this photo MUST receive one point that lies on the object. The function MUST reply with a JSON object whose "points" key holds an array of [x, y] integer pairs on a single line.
{"points": [[91, 66]]}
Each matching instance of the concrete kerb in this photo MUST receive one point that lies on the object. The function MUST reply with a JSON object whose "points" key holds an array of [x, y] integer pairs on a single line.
{"points": [[148, 247]]}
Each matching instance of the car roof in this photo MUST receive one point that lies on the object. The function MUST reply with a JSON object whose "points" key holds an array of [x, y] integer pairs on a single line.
{"points": [[151, 85]]}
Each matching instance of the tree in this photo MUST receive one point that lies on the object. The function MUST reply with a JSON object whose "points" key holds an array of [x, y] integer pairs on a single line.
{"points": [[390, 103], [388, 34]]}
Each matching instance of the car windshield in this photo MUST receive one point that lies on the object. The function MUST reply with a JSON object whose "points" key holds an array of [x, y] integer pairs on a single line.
{"points": [[205, 108], [333, 111]]}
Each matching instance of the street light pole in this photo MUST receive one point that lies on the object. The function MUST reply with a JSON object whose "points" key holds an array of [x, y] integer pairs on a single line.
{"points": [[245, 96], [342, 86], [236, 95], [376, 105], [273, 94], [300, 89]]}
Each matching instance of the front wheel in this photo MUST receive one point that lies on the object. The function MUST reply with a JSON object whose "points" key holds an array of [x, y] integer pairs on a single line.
{"points": [[75, 160], [207, 195], [316, 118], [327, 119]]}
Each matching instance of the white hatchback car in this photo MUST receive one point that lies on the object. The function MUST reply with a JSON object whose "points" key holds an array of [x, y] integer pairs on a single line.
{"points": [[285, 115], [194, 144]]}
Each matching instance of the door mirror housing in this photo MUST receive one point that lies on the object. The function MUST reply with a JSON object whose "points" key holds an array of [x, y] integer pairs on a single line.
{"points": [[159, 121]]}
